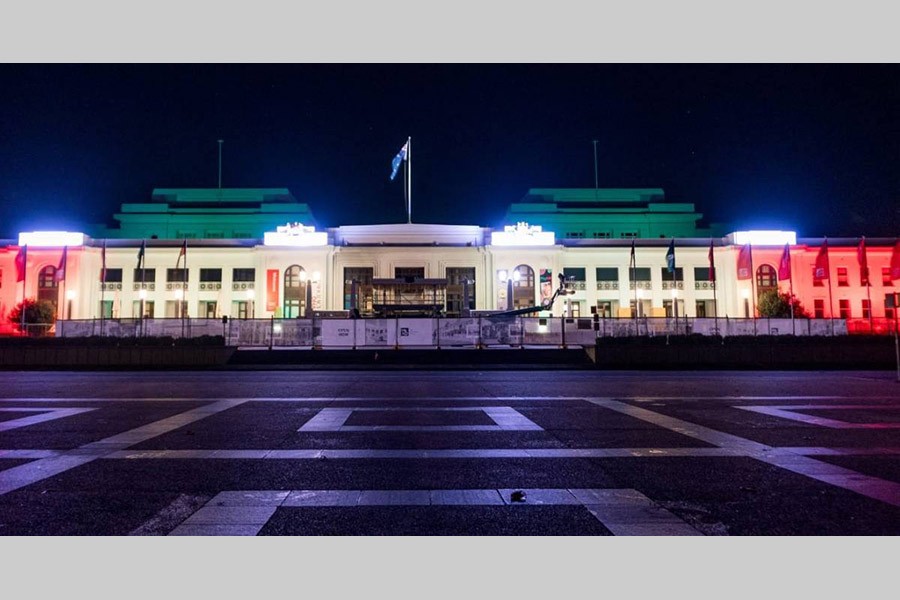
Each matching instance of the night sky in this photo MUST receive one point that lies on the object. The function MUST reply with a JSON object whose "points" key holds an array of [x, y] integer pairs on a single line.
{"points": [[814, 148]]}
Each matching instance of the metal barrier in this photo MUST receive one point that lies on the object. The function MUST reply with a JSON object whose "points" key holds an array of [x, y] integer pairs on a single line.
{"points": [[478, 331]]}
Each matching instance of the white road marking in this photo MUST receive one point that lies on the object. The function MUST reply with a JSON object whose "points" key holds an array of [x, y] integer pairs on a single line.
{"points": [[505, 419], [27, 474], [621, 511], [788, 412], [45, 414]]}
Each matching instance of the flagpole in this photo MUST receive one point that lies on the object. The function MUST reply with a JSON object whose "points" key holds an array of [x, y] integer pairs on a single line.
{"points": [[715, 299], [409, 179], [791, 280], [184, 279], [24, 282], [868, 282], [143, 291], [634, 283], [830, 301], [752, 287], [102, 285]]}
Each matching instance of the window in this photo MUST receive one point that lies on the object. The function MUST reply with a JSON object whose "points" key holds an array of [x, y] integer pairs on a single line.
{"points": [[844, 307], [363, 277], [574, 234], [601, 235], [106, 309], [819, 308], [215, 235], [886, 276], [240, 309], [186, 235], [243, 275], [176, 309], [842, 278], [145, 275], [176, 275], [242, 235], [457, 300], [642, 274], [409, 272], [866, 309], [889, 307], [677, 275], [113, 276], [47, 285], [574, 273], [701, 274], [1, 278], [207, 309], [766, 278], [148, 309], [608, 274], [294, 292], [628, 234], [211, 275]]}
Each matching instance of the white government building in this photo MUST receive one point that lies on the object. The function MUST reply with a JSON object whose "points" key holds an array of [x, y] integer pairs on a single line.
{"points": [[256, 253]]}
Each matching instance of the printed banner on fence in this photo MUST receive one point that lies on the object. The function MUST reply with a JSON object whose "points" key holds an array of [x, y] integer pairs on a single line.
{"points": [[271, 289]]}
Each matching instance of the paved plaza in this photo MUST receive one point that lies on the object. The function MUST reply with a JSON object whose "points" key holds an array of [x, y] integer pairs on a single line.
{"points": [[449, 453]]}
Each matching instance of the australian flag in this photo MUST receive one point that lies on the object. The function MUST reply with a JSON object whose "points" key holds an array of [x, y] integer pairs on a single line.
{"points": [[670, 257], [401, 156]]}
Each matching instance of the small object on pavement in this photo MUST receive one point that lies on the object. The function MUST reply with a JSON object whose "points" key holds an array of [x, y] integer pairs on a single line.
{"points": [[517, 496]]}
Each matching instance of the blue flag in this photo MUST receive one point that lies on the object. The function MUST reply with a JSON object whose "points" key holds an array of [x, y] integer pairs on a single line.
{"points": [[401, 156], [670, 257]]}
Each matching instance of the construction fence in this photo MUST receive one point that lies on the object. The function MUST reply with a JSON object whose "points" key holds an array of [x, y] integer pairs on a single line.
{"points": [[436, 332]]}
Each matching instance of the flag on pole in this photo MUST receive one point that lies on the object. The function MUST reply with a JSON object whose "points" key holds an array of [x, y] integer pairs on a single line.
{"points": [[863, 261], [103, 263], [141, 254], [401, 156], [895, 262], [60, 274], [21, 258], [820, 271], [670, 256], [182, 253], [784, 266], [745, 262], [712, 263]]}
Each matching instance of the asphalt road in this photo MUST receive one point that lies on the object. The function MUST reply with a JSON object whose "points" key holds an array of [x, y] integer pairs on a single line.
{"points": [[449, 453]]}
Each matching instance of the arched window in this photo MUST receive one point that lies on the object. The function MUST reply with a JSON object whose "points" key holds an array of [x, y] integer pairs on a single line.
{"points": [[766, 278], [47, 285], [294, 291], [523, 286]]}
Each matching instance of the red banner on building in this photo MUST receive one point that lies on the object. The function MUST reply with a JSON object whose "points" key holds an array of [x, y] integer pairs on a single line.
{"points": [[272, 289]]}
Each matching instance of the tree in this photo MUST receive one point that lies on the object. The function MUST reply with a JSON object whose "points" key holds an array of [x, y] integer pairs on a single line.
{"points": [[37, 312], [776, 305]]}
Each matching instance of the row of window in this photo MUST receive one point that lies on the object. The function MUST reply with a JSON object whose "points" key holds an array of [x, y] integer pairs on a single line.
{"points": [[578, 274], [845, 311], [843, 279], [179, 275]]}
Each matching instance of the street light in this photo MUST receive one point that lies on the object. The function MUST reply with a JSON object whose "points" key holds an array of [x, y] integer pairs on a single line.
{"points": [[179, 295], [70, 295]]}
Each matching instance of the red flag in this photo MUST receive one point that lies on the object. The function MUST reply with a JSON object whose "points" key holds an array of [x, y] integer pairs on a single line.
{"points": [[21, 259], [895, 262], [784, 267], [712, 264], [863, 261], [182, 253], [61, 269], [821, 269], [103, 263], [745, 262]]}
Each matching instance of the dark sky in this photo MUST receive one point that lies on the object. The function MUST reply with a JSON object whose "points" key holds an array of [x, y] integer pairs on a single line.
{"points": [[815, 148]]}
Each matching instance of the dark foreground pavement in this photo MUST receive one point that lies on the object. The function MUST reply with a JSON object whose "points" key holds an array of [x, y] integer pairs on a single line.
{"points": [[373, 453]]}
